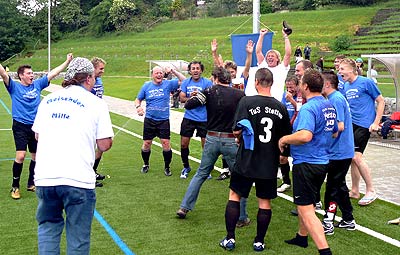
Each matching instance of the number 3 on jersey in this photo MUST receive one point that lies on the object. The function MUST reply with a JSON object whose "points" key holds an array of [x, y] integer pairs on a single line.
{"points": [[268, 123]]}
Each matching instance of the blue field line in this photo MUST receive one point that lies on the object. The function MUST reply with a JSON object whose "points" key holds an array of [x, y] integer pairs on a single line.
{"points": [[11, 159], [5, 106], [113, 234]]}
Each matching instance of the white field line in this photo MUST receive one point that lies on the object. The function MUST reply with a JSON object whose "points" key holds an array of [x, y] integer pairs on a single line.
{"points": [[284, 196]]}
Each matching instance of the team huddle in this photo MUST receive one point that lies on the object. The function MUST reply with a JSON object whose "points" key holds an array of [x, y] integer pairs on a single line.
{"points": [[322, 120]]}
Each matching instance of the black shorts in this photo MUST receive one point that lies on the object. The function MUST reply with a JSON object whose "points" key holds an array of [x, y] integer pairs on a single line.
{"points": [[361, 137], [265, 188], [188, 127], [307, 182], [153, 128], [24, 137]]}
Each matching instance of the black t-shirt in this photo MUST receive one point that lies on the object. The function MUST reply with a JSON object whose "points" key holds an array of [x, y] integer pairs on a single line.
{"points": [[221, 105], [270, 121]]}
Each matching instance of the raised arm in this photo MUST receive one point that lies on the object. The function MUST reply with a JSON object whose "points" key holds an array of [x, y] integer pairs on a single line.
{"points": [[56, 71], [259, 54], [180, 76], [249, 56], [217, 58], [4, 75], [288, 49]]}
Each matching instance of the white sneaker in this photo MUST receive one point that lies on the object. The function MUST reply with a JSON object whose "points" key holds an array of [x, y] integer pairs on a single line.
{"points": [[283, 188]]}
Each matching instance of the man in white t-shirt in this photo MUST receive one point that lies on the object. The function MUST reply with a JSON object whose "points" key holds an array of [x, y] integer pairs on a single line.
{"points": [[68, 125], [272, 61]]}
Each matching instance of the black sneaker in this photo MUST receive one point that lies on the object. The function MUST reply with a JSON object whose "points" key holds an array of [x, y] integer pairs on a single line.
{"points": [[348, 225], [181, 213], [145, 169], [167, 171], [99, 184], [99, 177], [224, 176], [329, 229]]}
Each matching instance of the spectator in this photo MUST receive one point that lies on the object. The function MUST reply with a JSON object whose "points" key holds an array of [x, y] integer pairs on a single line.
{"points": [[298, 54], [67, 132], [320, 64], [360, 65], [307, 52]]}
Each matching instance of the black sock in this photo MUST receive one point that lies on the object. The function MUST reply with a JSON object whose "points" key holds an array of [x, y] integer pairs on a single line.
{"points": [[232, 212], [96, 164], [185, 157], [285, 170], [326, 251], [17, 170], [263, 220], [31, 172], [167, 157], [224, 163], [146, 156], [299, 240]]}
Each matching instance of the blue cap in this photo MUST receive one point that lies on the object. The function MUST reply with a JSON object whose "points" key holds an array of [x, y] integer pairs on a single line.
{"points": [[359, 60]]}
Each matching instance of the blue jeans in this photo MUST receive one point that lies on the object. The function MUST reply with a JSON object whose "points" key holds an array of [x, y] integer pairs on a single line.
{"points": [[213, 148], [79, 205]]}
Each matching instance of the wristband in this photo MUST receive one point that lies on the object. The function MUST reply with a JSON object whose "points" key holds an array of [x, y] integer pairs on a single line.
{"points": [[137, 106]]}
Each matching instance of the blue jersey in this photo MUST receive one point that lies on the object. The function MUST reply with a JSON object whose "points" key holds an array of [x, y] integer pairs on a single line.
{"points": [[341, 85], [188, 86], [98, 88], [26, 99], [289, 107], [157, 98], [319, 117], [361, 95], [343, 145]]}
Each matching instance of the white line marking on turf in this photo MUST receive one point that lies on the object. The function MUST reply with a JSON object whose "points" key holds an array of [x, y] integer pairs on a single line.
{"points": [[360, 228], [5, 129]]}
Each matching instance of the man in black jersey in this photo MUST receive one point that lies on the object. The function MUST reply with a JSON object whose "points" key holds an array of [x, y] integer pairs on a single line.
{"points": [[260, 122], [221, 102]]}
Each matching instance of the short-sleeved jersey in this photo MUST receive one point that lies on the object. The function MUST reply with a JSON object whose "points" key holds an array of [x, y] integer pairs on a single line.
{"points": [[98, 88], [361, 95], [319, 117], [157, 98], [289, 107], [188, 86], [343, 145], [26, 99], [279, 73], [270, 121], [69, 121]]}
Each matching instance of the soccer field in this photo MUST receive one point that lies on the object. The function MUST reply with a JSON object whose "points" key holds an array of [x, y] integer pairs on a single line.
{"points": [[135, 213]]}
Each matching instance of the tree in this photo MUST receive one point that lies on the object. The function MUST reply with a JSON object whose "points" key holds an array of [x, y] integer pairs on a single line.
{"points": [[15, 32], [69, 16], [121, 12], [99, 18]]}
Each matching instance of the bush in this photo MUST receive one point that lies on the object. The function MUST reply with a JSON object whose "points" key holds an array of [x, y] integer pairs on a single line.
{"points": [[342, 42]]}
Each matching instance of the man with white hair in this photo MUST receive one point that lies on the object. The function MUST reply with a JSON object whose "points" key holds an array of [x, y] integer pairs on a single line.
{"points": [[272, 61], [68, 124], [156, 122]]}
